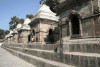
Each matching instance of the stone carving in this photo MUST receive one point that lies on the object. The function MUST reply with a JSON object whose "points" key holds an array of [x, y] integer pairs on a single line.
{"points": [[74, 13]]}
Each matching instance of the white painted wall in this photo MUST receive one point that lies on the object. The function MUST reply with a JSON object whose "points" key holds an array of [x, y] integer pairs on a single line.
{"points": [[1, 43]]}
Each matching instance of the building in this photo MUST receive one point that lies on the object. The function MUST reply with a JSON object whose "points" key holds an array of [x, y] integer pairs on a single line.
{"points": [[79, 18], [44, 26], [24, 32]]}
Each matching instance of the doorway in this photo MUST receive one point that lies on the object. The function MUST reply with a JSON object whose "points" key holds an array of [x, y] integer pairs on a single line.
{"points": [[33, 36], [29, 38], [51, 36], [50, 33], [75, 25]]}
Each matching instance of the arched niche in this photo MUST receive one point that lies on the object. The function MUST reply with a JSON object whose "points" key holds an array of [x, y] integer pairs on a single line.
{"points": [[51, 35], [75, 23], [33, 36], [29, 38]]}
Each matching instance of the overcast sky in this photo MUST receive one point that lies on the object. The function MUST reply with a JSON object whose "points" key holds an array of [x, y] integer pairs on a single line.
{"points": [[10, 8]]}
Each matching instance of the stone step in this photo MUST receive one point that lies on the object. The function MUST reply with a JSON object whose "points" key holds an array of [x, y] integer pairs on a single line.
{"points": [[87, 40], [83, 59], [71, 58], [37, 61], [36, 46], [87, 48]]}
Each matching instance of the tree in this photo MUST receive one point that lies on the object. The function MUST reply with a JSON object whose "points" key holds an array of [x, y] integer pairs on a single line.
{"points": [[3, 33], [6, 32], [14, 21], [50, 3], [29, 16]]}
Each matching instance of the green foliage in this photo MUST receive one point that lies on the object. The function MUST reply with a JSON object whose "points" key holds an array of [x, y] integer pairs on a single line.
{"points": [[3, 33], [14, 21], [21, 21], [6, 32], [29, 16], [50, 3]]}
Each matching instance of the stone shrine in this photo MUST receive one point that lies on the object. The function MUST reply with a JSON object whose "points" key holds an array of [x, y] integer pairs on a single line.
{"points": [[44, 25], [24, 31], [15, 35]]}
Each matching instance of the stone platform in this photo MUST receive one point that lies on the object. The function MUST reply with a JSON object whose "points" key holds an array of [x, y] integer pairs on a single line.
{"points": [[74, 54]]}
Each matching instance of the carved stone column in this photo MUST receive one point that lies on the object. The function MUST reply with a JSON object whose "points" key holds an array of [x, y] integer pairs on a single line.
{"points": [[70, 28], [81, 33]]}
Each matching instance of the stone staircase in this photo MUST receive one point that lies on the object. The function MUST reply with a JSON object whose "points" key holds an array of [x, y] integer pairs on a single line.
{"points": [[38, 55], [75, 54]]}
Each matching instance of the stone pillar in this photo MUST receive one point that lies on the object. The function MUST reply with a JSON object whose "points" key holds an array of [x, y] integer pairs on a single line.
{"points": [[70, 29], [81, 33]]}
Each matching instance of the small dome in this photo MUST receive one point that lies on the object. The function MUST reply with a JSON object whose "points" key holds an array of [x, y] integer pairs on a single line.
{"points": [[45, 13], [11, 32], [27, 21], [19, 25], [6, 36], [15, 31], [44, 7], [25, 27]]}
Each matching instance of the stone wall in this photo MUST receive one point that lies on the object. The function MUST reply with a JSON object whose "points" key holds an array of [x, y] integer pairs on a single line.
{"points": [[88, 26], [23, 35], [65, 30], [45, 26], [42, 27], [86, 11], [97, 25], [15, 38], [35, 26], [8, 40]]}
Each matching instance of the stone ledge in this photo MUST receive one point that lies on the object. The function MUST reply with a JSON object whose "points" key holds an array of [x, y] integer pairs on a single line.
{"points": [[37, 61], [71, 58]]}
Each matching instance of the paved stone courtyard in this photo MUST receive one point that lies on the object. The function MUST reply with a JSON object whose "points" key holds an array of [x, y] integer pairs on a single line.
{"points": [[9, 60]]}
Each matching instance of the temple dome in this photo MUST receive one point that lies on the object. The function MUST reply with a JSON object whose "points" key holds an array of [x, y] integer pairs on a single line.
{"points": [[6, 37], [45, 13], [19, 25], [27, 21], [45, 8], [25, 27], [11, 32], [15, 30]]}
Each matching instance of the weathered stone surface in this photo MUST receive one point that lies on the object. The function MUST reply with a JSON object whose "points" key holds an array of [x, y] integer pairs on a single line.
{"points": [[98, 61], [78, 48], [83, 61], [92, 62], [72, 47], [75, 59], [40, 62], [67, 59], [88, 48]]}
